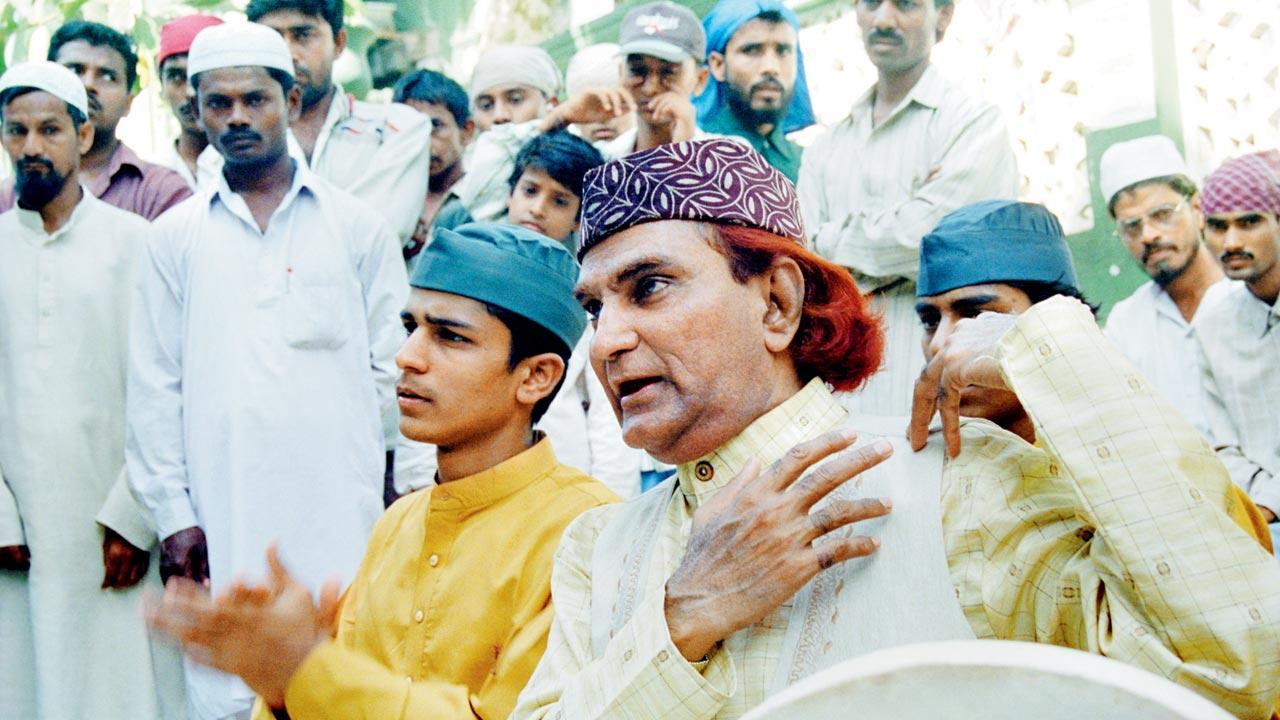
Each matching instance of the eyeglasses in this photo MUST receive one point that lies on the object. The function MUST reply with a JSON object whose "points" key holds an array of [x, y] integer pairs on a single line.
{"points": [[1164, 217]]}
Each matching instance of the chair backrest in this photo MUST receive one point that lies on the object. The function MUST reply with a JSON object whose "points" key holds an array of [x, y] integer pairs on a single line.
{"points": [[985, 680]]}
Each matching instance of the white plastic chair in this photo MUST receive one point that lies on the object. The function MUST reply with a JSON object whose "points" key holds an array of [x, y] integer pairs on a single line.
{"points": [[985, 680]]}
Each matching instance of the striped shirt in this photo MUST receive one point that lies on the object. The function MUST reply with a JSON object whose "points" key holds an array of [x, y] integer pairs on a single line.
{"points": [[1240, 344], [869, 193]]}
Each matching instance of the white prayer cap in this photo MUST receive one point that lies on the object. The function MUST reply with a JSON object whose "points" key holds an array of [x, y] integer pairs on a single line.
{"points": [[522, 64], [1133, 161], [594, 66], [49, 77], [238, 44]]}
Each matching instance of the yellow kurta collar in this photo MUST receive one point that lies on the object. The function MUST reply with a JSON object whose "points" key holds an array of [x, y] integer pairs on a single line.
{"points": [[489, 486], [803, 416]]}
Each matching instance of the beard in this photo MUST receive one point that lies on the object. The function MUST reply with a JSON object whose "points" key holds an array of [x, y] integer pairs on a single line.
{"points": [[740, 104], [1166, 272], [34, 188]]}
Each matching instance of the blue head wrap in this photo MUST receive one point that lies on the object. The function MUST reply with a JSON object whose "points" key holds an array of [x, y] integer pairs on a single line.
{"points": [[720, 24], [995, 241], [508, 266]]}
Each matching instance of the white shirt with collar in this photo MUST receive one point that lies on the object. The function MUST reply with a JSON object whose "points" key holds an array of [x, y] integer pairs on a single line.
{"points": [[379, 152], [1149, 330], [869, 194], [261, 367], [1239, 338]]}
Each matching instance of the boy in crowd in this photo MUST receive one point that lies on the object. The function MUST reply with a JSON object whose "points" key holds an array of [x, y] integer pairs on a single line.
{"points": [[449, 612]]}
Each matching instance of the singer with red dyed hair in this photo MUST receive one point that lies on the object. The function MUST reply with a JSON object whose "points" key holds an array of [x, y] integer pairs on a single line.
{"points": [[721, 342]]}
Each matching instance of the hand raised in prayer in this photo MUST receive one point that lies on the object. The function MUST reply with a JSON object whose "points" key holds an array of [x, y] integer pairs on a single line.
{"points": [[676, 110], [967, 359], [752, 545], [261, 633], [15, 557], [595, 105], [185, 554], [124, 564]]}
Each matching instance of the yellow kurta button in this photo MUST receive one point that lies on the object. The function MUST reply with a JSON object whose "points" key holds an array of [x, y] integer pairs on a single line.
{"points": [[418, 616], [434, 560]]}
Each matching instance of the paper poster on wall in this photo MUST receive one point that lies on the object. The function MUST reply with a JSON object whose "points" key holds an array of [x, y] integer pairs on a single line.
{"points": [[1116, 66]]}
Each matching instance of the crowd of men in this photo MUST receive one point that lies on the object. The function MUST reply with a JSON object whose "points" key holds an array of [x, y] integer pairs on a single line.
{"points": [[595, 395]]}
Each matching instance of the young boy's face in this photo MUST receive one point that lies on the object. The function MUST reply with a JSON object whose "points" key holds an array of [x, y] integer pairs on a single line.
{"points": [[543, 205], [455, 383]]}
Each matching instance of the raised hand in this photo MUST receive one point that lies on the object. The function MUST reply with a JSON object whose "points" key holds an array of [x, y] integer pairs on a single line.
{"points": [[261, 633], [758, 540], [966, 359], [123, 563], [594, 105], [676, 110]]}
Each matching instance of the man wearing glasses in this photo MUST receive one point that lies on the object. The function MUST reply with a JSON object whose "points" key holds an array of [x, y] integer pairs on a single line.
{"points": [[1156, 207]]}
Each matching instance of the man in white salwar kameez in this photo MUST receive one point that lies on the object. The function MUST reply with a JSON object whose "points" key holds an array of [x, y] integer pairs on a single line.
{"points": [[73, 644], [262, 350]]}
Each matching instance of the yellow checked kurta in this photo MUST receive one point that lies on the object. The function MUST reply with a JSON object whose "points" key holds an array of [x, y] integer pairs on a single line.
{"points": [[1121, 535], [450, 610]]}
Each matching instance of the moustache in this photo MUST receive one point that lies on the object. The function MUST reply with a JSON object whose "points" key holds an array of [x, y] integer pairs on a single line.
{"points": [[1154, 248], [95, 105], [1243, 255], [25, 165], [768, 84], [884, 36], [232, 136]]}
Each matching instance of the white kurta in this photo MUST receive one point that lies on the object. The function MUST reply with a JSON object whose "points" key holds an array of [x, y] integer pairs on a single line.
{"points": [[260, 364], [1148, 328], [379, 152], [870, 193], [64, 310]]}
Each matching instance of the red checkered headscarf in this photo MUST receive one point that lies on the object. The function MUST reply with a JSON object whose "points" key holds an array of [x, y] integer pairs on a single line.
{"points": [[1245, 184]]}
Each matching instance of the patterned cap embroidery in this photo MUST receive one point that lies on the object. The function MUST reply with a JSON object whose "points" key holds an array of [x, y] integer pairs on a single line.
{"points": [[717, 181]]}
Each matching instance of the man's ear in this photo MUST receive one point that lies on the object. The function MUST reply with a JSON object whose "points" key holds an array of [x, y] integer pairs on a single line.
{"points": [[468, 132], [945, 13], [715, 63], [340, 42], [84, 137], [785, 286], [294, 101], [539, 376], [703, 75]]}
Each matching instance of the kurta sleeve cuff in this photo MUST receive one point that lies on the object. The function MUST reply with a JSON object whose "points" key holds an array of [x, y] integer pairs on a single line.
{"points": [[122, 512], [1265, 491], [651, 673], [319, 686], [172, 515]]}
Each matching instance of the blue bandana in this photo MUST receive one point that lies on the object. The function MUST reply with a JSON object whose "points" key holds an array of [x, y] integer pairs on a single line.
{"points": [[508, 266], [995, 241], [720, 24]]}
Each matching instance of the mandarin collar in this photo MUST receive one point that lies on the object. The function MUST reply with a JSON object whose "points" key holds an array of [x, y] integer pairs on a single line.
{"points": [[804, 416], [34, 222], [502, 480]]}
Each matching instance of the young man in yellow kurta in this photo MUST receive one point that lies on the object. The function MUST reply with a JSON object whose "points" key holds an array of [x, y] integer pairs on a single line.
{"points": [[450, 610]]}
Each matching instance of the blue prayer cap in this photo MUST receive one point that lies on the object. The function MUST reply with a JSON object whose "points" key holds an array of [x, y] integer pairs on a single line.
{"points": [[995, 241], [508, 266], [720, 24]]}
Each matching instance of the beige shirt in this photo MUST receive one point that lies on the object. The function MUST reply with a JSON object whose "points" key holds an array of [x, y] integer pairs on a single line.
{"points": [[1115, 535], [869, 194]]}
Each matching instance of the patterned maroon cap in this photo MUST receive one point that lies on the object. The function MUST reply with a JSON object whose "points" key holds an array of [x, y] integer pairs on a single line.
{"points": [[717, 181], [1245, 184]]}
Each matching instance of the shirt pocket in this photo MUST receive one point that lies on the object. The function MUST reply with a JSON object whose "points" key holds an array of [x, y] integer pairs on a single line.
{"points": [[317, 311]]}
